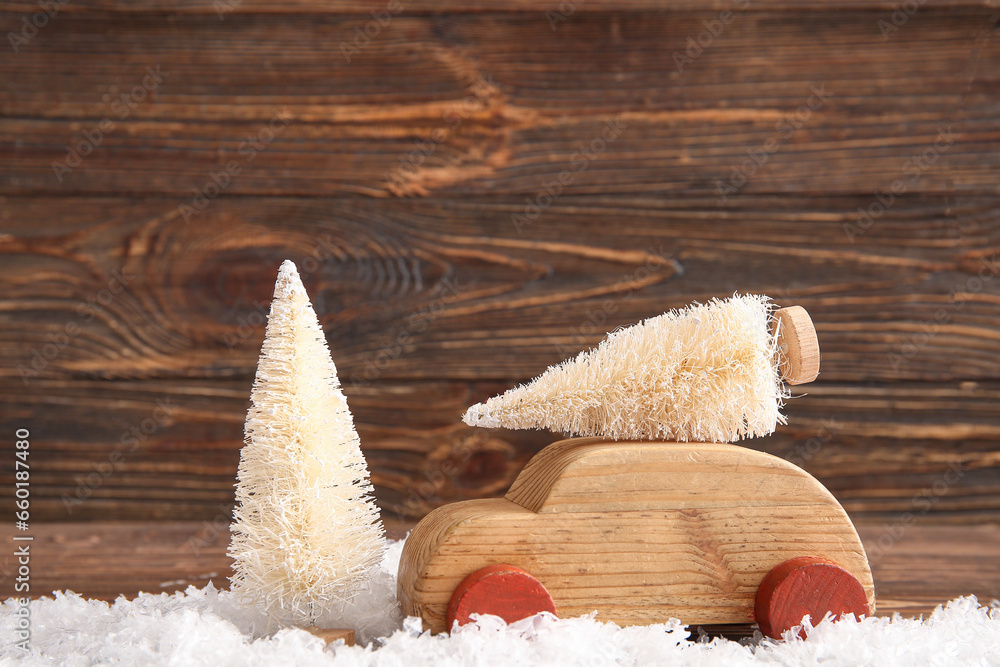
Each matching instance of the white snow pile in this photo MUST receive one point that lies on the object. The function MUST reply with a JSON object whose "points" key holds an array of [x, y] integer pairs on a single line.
{"points": [[207, 627]]}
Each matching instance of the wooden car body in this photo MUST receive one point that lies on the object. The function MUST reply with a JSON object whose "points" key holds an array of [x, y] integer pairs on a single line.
{"points": [[638, 531]]}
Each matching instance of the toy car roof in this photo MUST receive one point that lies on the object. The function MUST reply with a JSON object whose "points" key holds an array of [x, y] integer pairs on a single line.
{"points": [[595, 475]]}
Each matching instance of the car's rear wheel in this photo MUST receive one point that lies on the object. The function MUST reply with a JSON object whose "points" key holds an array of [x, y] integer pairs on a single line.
{"points": [[502, 590], [806, 585]]}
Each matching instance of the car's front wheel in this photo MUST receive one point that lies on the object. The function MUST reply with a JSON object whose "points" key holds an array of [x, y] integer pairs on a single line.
{"points": [[807, 585]]}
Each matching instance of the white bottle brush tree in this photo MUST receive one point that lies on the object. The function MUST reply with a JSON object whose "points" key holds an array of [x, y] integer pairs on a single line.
{"points": [[704, 373], [306, 535]]}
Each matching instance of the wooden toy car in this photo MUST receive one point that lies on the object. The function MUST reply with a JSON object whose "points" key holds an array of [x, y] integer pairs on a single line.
{"points": [[642, 532], [647, 531]]}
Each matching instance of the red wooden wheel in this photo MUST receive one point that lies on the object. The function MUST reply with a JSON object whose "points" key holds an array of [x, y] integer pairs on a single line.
{"points": [[806, 585], [502, 590]]}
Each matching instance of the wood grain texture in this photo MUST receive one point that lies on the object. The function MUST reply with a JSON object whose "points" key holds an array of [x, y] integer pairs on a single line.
{"points": [[884, 102], [187, 329], [798, 345], [434, 291], [883, 450], [927, 565], [530, 7], [643, 532], [914, 298]]}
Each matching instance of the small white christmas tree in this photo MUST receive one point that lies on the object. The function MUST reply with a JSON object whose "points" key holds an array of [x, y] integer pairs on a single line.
{"points": [[306, 534], [706, 373]]}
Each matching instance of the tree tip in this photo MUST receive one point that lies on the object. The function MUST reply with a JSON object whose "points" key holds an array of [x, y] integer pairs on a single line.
{"points": [[479, 415], [288, 281]]}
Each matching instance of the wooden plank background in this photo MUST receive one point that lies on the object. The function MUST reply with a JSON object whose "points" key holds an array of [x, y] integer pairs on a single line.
{"points": [[416, 182]]}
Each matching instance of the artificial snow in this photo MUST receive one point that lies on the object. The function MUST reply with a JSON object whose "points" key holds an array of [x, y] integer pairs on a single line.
{"points": [[208, 627]]}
